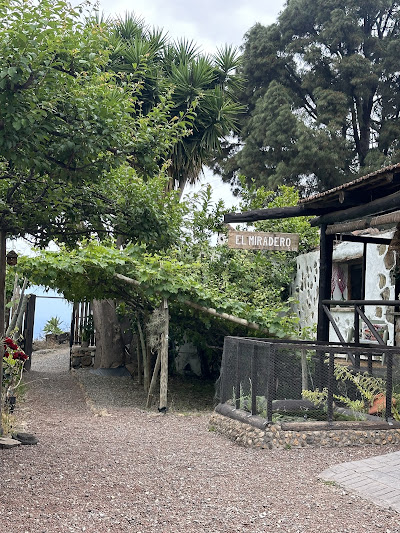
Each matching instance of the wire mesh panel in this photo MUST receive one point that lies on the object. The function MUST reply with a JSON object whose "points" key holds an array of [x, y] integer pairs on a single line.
{"points": [[267, 376]]}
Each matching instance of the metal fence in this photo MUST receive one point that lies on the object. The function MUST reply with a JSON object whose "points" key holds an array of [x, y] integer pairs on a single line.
{"points": [[261, 375], [81, 324]]}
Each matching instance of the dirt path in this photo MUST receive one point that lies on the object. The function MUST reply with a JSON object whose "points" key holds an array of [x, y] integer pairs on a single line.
{"points": [[137, 471]]}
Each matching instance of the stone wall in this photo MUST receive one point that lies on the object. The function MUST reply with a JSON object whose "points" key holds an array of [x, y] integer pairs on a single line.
{"points": [[82, 356], [252, 434]]}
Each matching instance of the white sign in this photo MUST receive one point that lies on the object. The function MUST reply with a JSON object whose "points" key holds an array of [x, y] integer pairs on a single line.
{"points": [[258, 240]]}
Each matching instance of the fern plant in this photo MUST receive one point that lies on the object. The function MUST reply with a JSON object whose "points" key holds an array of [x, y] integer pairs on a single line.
{"points": [[369, 387]]}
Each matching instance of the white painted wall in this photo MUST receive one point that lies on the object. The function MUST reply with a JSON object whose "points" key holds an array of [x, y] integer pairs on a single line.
{"points": [[379, 287]]}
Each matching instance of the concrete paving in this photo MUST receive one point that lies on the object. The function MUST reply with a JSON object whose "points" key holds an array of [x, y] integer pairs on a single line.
{"points": [[376, 479]]}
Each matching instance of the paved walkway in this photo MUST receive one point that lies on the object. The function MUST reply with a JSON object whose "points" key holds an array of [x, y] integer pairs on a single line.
{"points": [[376, 479]]}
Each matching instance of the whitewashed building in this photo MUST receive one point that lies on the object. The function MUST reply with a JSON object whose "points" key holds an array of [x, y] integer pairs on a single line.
{"points": [[347, 285]]}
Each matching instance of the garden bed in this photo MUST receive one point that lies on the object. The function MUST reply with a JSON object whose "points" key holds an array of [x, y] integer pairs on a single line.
{"points": [[248, 430]]}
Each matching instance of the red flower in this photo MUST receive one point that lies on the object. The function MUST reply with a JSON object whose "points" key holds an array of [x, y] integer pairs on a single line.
{"points": [[10, 343], [20, 355]]}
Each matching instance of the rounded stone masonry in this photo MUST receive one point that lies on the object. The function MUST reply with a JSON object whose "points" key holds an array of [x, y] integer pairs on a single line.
{"points": [[82, 357], [253, 431]]}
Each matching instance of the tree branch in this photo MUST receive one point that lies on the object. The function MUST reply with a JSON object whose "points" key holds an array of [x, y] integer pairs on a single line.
{"points": [[207, 310]]}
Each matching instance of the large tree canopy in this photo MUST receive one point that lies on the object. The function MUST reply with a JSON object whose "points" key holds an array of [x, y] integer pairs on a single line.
{"points": [[75, 142], [62, 118], [322, 94]]}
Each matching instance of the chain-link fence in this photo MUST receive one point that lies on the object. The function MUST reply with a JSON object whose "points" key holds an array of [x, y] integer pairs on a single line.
{"points": [[276, 379]]}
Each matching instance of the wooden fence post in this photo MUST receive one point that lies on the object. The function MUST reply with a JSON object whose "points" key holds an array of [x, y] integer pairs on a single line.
{"points": [[164, 359], [28, 329], [2, 310]]}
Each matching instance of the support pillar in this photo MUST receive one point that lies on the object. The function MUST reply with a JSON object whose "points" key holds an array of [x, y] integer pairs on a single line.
{"points": [[325, 277]]}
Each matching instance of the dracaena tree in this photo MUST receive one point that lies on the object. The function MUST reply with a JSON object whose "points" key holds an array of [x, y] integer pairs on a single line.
{"points": [[210, 83]]}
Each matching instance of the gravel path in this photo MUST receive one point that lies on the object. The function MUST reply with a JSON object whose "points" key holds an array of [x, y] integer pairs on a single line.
{"points": [[124, 469]]}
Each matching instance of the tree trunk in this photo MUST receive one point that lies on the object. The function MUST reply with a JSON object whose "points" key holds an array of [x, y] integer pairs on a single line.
{"points": [[110, 351], [13, 324]]}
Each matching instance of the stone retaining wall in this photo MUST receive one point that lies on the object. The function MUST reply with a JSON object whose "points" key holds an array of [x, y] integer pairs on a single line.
{"points": [[274, 436], [82, 356]]}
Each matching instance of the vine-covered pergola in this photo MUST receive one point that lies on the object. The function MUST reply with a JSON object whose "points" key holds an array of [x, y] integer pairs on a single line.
{"points": [[371, 201]]}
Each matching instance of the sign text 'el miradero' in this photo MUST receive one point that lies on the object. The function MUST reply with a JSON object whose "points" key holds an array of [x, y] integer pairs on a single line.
{"points": [[259, 240]]}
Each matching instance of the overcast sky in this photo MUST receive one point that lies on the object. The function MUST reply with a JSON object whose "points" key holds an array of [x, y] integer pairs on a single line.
{"points": [[210, 23]]}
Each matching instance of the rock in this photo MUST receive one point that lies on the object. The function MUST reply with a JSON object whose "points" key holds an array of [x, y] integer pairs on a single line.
{"points": [[26, 438], [86, 360], [7, 442]]}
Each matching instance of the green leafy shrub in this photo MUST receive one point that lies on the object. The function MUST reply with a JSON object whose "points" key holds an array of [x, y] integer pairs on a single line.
{"points": [[53, 326]]}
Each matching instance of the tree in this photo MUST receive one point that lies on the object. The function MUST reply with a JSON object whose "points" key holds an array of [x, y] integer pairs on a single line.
{"points": [[208, 82], [202, 90], [62, 120], [207, 287], [322, 93], [64, 124]]}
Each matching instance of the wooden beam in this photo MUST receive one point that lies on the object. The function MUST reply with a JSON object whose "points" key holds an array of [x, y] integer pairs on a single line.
{"points": [[329, 426], [374, 222], [365, 239], [387, 203], [354, 225], [389, 218], [338, 333], [207, 310], [274, 213], [349, 303]]}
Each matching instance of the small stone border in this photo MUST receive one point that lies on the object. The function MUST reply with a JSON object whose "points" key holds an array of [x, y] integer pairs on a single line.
{"points": [[253, 431]]}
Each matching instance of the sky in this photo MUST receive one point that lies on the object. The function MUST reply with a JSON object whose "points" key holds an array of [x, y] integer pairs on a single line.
{"points": [[209, 23]]}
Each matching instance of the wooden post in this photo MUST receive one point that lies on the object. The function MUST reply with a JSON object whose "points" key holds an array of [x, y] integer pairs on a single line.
{"points": [[2, 311], [139, 361], [389, 385], [253, 370], [271, 380], [153, 380], [28, 329], [164, 359], [331, 381], [325, 276], [146, 377], [237, 378]]}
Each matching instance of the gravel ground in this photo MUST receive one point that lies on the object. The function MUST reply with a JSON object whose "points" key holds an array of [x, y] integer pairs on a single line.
{"points": [[104, 467]]}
